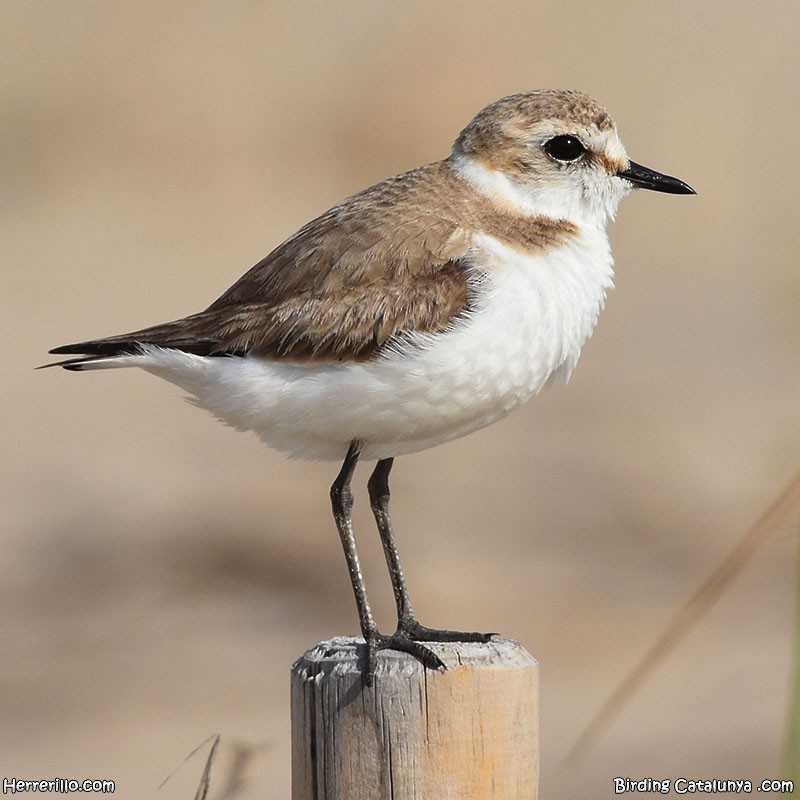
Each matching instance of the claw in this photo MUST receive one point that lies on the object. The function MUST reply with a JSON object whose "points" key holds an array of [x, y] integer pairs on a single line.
{"points": [[397, 641]]}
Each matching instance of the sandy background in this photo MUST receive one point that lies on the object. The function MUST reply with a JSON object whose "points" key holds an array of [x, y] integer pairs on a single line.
{"points": [[160, 572]]}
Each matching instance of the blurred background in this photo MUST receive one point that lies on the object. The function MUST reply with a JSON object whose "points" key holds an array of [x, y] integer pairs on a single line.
{"points": [[160, 572]]}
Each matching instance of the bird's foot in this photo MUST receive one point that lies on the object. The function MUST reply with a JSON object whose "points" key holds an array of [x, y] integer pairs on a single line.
{"points": [[413, 630], [397, 641], [407, 638]]}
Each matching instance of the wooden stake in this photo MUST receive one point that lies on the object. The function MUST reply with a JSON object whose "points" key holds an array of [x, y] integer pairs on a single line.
{"points": [[467, 733]]}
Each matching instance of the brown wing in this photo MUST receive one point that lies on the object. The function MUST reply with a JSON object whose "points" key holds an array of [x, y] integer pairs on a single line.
{"points": [[388, 261], [377, 266], [352, 325]]}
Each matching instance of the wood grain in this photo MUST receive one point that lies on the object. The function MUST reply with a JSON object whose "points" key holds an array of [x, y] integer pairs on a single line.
{"points": [[470, 731]]}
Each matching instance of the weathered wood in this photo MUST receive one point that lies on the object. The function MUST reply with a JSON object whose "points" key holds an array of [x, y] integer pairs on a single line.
{"points": [[467, 733]]}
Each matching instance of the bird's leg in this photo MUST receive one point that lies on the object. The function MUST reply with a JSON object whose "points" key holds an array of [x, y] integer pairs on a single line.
{"points": [[342, 503], [378, 487], [407, 623]]}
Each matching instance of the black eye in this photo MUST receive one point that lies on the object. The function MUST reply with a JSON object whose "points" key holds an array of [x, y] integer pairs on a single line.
{"points": [[564, 148]]}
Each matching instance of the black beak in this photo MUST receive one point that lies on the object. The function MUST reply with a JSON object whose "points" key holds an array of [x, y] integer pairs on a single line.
{"points": [[647, 178]]}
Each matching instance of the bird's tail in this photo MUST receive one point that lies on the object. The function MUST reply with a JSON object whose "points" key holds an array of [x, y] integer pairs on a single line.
{"points": [[121, 350], [85, 362]]}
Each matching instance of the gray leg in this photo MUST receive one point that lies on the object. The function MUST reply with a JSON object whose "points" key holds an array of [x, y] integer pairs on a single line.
{"points": [[379, 500], [407, 624], [342, 503]]}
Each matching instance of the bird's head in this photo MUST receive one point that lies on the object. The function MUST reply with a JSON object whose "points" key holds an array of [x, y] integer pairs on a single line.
{"points": [[553, 152]]}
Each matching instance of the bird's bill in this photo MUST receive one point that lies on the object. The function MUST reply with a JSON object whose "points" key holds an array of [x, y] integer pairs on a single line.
{"points": [[646, 178]]}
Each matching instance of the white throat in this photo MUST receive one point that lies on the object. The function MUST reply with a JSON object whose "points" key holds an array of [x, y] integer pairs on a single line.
{"points": [[587, 207]]}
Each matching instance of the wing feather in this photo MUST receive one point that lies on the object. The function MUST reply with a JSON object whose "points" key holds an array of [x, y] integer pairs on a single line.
{"points": [[392, 260]]}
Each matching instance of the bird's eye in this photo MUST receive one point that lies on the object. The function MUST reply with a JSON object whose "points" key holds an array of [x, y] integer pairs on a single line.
{"points": [[564, 148]]}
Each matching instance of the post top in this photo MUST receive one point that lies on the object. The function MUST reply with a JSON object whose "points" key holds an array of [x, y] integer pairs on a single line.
{"points": [[342, 655]]}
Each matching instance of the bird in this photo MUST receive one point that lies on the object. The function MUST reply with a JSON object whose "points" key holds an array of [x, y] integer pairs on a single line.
{"points": [[412, 313]]}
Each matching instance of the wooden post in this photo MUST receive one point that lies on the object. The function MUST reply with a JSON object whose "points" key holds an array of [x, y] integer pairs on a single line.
{"points": [[467, 733]]}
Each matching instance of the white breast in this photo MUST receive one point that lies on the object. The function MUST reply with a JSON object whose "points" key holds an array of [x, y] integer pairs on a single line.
{"points": [[532, 315]]}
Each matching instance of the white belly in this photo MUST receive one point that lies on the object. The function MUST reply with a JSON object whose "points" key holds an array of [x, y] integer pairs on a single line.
{"points": [[531, 318]]}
